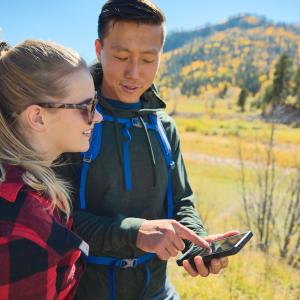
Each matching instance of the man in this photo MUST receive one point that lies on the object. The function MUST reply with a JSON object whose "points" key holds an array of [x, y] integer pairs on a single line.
{"points": [[124, 211]]}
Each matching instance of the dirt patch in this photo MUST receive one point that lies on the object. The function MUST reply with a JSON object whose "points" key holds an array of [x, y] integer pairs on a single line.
{"points": [[287, 114]]}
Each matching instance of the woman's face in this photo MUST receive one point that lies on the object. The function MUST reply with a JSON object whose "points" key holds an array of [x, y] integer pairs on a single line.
{"points": [[68, 130]]}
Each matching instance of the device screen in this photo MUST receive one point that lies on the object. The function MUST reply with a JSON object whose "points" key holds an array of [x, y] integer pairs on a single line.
{"points": [[225, 244]]}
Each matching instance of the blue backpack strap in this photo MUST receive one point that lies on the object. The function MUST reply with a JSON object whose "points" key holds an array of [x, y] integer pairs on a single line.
{"points": [[127, 124], [122, 263], [126, 155], [167, 150], [88, 157], [95, 148], [91, 154]]}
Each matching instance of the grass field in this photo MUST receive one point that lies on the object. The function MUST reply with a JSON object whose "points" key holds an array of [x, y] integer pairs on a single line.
{"points": [[210, 148]]}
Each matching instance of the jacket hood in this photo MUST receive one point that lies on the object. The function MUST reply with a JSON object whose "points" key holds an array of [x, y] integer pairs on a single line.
{"points": [[151, 101]]}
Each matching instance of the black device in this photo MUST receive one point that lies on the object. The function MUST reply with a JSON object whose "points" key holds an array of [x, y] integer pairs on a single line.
{"points": [[219, 248]]}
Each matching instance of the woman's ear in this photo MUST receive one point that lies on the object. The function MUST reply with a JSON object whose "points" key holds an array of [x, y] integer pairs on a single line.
{"points": [[34, 117]]}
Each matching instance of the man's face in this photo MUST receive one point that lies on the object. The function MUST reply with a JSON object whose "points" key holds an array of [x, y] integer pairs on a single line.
{"points": [[130, 56]]}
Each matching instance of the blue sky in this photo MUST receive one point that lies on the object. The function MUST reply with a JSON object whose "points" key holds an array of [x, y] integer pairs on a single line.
{"points": [[73, 23]]}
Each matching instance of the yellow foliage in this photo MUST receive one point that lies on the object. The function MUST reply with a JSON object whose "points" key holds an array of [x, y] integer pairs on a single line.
{"points": [[262, 78], [195, 65], [218, 36], [235, 62], [222, 70], [270, 30], [216, 45], [186, 70], [254, 31], [222, 85], [251, 20], [224, 49]]}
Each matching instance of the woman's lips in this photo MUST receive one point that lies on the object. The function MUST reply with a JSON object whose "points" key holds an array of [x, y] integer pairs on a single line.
{"points": [[87, 132]]}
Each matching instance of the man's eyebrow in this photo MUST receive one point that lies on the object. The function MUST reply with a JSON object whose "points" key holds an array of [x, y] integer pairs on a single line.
{"points": [[152, 51], [120, 48]]}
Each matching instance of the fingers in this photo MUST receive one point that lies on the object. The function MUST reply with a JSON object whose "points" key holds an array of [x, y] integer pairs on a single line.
{"points": [[169, 248], [165, 237], [202, 270], [215, 237], [224, 262], [216, 265], [186, 233], [163, 254], [200, 266], [187, 266], [178, 243]]}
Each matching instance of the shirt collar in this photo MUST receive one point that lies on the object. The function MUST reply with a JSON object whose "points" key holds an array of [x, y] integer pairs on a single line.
{"points": [[10, 188]]}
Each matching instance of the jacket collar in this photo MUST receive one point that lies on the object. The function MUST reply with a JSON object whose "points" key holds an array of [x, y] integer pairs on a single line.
{"points": [[10, 188]]}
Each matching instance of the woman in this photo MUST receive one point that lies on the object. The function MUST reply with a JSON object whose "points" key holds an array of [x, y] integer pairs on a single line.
{"points": [[47, 107]]}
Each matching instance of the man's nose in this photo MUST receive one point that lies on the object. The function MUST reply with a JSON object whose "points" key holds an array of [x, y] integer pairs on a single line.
{"points": [[133, 70]]}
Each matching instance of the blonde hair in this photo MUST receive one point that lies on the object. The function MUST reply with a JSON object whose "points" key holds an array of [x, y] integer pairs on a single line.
{"points": [[4, 46], [29, 72]]}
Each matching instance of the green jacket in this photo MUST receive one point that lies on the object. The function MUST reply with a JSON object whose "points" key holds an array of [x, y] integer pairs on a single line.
{"points": [[113, 216]]}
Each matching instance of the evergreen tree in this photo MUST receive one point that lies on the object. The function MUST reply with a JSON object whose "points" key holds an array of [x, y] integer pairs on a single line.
{"points": [[223, 91], [242, 99], [296, 91], [282, 80], [247, 77], [268, 95], [267, 98]]}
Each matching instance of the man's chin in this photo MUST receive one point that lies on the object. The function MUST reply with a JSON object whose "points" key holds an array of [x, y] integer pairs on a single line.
{"points": [[127, 96], [130, 98]]}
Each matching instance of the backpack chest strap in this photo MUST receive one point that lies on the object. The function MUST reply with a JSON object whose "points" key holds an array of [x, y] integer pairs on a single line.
{"points": [[123, 263]]}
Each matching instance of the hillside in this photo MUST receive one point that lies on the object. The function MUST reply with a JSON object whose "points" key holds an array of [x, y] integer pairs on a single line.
{"points": [[240, 51]]}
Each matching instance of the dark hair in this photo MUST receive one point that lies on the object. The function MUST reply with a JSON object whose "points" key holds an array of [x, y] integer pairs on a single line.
{"points": [[138, 11]]}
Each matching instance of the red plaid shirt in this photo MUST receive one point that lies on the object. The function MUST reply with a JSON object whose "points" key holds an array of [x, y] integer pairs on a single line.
{"points": [[39, 255]]}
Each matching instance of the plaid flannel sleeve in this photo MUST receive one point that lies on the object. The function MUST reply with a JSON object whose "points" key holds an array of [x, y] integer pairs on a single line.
{"points": [[39, 256], [25, 271]]}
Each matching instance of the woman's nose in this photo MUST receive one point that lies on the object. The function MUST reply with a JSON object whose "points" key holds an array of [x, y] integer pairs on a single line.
{"points": [[97, 117]]}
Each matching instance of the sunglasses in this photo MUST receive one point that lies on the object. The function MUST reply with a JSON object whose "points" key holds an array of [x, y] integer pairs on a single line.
{"points": [[88, 105]]}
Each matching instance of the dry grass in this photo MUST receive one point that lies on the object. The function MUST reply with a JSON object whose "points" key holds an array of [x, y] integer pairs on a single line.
{"points": [[210, 147]]}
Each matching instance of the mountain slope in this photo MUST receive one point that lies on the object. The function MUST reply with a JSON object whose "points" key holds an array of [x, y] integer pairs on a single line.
{"points": [[241, 51]]}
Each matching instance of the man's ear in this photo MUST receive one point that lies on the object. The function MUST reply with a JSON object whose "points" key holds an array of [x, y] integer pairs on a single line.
{"points": [[34, 117], [98, 48]]}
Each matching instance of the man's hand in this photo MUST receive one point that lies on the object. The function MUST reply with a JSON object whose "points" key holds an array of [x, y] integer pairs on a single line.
{"points": [[215, 265], [165, 238]]}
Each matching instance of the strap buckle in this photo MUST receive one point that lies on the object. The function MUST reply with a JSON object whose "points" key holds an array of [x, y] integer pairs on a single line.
{"points": [[87, 159], [136, 122], [172, 165], [128, 263]]}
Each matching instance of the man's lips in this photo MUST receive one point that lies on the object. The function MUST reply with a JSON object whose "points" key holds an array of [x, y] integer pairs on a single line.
{"points": [[130, 88]]}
